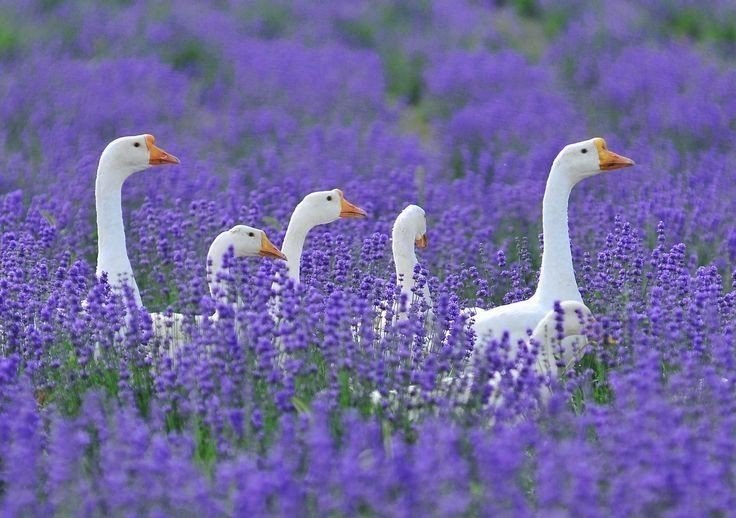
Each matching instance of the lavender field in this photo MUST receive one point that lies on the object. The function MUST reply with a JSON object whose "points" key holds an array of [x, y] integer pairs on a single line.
{"points": [[341, 394]]}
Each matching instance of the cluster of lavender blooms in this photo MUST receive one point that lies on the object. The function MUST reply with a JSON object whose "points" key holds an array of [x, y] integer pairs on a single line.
{"points": [[305, 408]]}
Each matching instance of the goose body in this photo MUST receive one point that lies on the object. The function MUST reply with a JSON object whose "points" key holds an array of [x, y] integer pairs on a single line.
{"points": [[561, 338], [566, 321], [558, 335], [557, 276]]}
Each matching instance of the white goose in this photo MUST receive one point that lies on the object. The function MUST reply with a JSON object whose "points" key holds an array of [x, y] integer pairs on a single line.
{"points": [[409, 232], [317, 208], [244, 241], [120, 159], [557, 276]]}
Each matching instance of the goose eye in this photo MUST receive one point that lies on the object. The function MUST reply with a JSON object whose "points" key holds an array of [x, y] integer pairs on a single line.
{"points": [[251, 234], [584, 150], [137, 144], [329, 198]]}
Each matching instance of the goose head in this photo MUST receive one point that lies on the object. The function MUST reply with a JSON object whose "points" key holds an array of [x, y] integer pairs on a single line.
{"points": [[411, 225], [128, 155], [246, 242], [252, 242], [322, 207], [588, 158]]}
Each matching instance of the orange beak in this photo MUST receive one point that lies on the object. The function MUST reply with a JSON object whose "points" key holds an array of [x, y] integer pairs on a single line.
{"points": [[421, 242], [348, 210], [158, 156], [608, 160], [269, 250]]}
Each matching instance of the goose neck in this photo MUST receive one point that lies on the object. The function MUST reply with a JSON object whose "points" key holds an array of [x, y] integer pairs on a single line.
{"points": [[557, 276], [296, 235], [112, 254], [217, 270], [405, 259]]}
